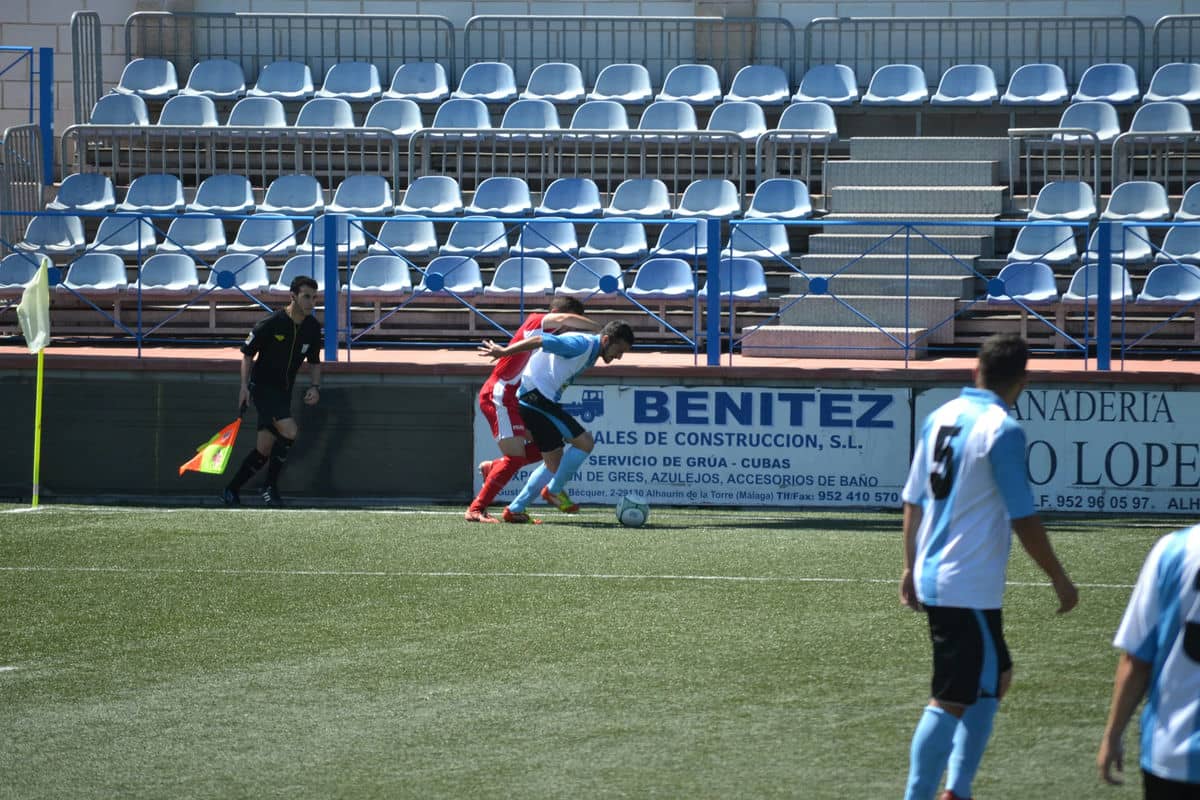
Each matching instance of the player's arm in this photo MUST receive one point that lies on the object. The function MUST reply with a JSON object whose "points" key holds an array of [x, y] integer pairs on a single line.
{"points": [[912, 523], [577, 322], [489, 349], [244, 390], [313, 394], [1129, 687], [1032, 534]]}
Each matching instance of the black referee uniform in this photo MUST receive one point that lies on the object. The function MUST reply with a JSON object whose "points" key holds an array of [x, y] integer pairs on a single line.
{"points": [[280, 345]]}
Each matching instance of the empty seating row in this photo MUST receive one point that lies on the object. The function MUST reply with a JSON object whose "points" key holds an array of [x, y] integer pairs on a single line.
{"points": [[1056, 245], [1099, 117], [1131, 201], [1032, 283]]}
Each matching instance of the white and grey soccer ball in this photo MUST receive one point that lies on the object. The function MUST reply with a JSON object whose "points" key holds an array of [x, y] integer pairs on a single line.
{"points": [[633, 511]]}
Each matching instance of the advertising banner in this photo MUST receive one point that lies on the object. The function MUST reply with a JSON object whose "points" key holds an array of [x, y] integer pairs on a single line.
{"points": [[723, 445], [1112, 450]]}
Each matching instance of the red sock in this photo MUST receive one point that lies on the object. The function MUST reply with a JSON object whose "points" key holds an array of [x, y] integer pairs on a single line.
{"points": [[501, 473]]}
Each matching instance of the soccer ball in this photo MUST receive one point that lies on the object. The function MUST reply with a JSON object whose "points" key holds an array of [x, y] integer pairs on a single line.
{"points": [[633, 511]]}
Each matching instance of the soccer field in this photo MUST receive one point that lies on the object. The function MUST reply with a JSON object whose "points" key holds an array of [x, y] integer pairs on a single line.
{"points": [[407, 653]]}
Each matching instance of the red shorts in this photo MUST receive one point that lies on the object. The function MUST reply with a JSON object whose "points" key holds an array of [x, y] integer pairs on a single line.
{"points": [[499, 406]]}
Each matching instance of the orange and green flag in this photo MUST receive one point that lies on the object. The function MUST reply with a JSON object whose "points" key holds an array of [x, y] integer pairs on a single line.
{"points": [[213, 455]]}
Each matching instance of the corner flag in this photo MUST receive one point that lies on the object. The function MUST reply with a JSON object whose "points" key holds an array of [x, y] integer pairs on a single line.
{"points": [[33, 313], [213, 455]]}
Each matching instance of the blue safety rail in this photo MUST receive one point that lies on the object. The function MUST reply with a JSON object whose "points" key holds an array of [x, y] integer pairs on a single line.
{"points": [[39, 61]]}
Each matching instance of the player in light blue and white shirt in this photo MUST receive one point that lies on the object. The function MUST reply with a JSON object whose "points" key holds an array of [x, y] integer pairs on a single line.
{"points": [[967, 489], [1160, 637]]}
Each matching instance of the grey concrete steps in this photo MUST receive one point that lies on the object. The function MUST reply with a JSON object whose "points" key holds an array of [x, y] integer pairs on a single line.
{"points": [[887, 264], [884, 218], [917, 199], [804, 341], [888, 311], [930, 148], [851, 287], [922, 243], [911, 173]]}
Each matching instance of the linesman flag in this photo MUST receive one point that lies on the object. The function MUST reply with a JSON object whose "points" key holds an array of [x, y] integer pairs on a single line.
{"points": [[213, 456], [33, 313]]}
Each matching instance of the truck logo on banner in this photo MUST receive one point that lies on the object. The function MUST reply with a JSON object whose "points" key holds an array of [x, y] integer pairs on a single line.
{"points": [[721, 445]]}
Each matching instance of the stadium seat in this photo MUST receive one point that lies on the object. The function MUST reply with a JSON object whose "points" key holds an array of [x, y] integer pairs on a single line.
{"points": [[297, 195], [460, 275], [834, 84], [352, 81], [401, 117], [154, 193], [709, 197], [284, 80], [583, 277], [476, 236], [548, 237], [605, 115], [84, 191], [1171, 283], [501, 196], [1112, 83], [53, 234], [196, 235], [1138, 201], [640, 198], [325, 112], [782, 198], [555, 82], [462, 113], [350, 236], [897, 85], [267, 235], [1165, 116], [764, 84], [570, 197], [421, 82], [125, 236], [120, 109], [1028, 282], [966, 85], [1096, 116], [1189, 207], [1036, 85], [224, 193], [1065, 200], [246, 272], [663, 279], [192, 110], [531, 114], [767, 241], [16, 270], [363, 195], [1129, 246], [742, 278], [668, 115], [1052, 244], [257, 112], [152, 78], [628, 84], [379, 275], [679, 239], [173, 273], [742, 117], [217, 78], [433, 196], [1182, 244], [96, 273], [487, 81], [1175, 81], [694, 84], [406, 236], [521, 276], [616, 238], [816, 117], [1084, 284], [310, 265]]}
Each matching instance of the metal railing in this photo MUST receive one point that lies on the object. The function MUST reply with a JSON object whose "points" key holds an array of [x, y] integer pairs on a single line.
{"points": [[1175, 37], [1169, 158], [87, 69], [1038, 156]]}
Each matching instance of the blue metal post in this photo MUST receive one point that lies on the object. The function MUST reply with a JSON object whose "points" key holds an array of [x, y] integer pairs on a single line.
{"points": [[712, 259], [1104, 297], [46, 111], [331, 286]]}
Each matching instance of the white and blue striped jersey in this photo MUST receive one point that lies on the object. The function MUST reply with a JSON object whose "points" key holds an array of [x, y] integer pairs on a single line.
{"points": [[560, 360], [1162, 627], [968, 475]]}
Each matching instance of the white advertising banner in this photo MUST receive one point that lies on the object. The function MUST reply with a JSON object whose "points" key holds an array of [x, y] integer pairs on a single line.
{"points": [[1111, 450], [723, 445]]}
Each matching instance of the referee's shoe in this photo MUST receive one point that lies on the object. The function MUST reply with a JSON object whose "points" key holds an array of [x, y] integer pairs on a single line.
{"points": [[271, 498]]}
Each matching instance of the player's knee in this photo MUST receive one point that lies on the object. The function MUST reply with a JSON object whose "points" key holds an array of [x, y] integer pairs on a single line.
{"points": [[584, 442], [512, 446]]}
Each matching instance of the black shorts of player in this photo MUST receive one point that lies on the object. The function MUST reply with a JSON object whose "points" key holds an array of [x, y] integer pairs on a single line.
{"points": [[969, 653], [272, 404], [1156, 788], [547, 422]]}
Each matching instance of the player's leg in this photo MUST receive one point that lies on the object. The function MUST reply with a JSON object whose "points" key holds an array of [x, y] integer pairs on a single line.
{"points": [[975, 727], [509, 430], [572, 459], [286, 431], [266, 404], [549, 441]]}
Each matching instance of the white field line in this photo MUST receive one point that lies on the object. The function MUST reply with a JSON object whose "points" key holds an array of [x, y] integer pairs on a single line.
{"points": [[592, 576]]}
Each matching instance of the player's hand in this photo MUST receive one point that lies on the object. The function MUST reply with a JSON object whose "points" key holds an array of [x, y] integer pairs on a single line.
{"points": [[1112, 754], [1068, 595], [908, 591], [312, 396], [490, 349]]}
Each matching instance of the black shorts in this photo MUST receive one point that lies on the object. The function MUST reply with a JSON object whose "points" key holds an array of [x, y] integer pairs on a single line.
{"points": [[547, 422], [1156, 788], [969, 653], [272, 404]]}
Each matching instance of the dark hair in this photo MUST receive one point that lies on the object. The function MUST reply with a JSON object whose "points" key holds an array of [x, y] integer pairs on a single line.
{"points": [[300, 281], [566, 305], [618, 330], [1002, 358]]}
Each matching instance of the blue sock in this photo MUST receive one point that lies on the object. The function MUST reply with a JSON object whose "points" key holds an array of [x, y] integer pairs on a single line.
{"points": [[537, 479], [931, 745], [572, 458], [970, 739]]}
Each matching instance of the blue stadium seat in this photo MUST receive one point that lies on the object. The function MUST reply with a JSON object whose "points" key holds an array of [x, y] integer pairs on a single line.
{"points": [[897, 85], [640, 198], [284, 80], [663, 279], [196, 235], [16, 270], [548, 237], [1112, 83], [310, 265], [406, 236], [709, 197], [297, 194], [120, 109], [532, 114], [1036, 85], [814, 116], [767, 241], [616, 238], [154, 193], [401, 117], [694, 84], [570, 197], [1175, 81], [460, 275], [834, 84], [477, 236], [668, 115], [352, 81], [521, 276], [124, 236], [84, 191], [246, 271], [1028, 282], [742, 117], [192, 110], [53, 234], [363, 195], [1138, 201], [223, 193], [555, 82], [1096, 116], [501, 196], [742, 278], [782, 198], [1052, 244], [421, 82], [1189, 207], [152, 78], [218, 78], [462, 112], [583, 277], [379, 276], [96, 274], [1128, 246], [172, 273], [606, 115], [433, 196], [1085, 284], [1065, 200], [679, 239], [267, 235], [628, 84], [487, 81], [325, 112], [966, 85], [257, 112], [350, 236], [1171, 283], [1164, 116], [1182, 244], [764, 84]]}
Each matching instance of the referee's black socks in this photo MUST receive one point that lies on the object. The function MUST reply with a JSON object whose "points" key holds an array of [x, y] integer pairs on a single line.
{"points": [[279, 456], [250, 465]]}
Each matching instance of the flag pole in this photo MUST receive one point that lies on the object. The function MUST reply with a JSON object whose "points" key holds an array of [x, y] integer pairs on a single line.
{"points": [[37, 428]]}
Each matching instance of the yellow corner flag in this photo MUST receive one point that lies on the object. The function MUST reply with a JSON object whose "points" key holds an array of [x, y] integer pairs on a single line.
{"points": [[34, 311], [213, 455]]}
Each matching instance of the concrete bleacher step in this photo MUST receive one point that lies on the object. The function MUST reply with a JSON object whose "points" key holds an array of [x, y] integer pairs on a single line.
{"points": [[826, 264], [930, 148], [924, 243], [817, 341], [917, 199], [912, 173], [887, 311], [850, 287], [959, 224]]}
